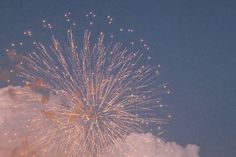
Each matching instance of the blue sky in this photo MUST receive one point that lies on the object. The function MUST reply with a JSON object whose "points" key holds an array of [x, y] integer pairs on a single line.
{"points": [[194, 41]]}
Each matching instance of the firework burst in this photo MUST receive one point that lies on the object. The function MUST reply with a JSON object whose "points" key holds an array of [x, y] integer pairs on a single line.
{"points": [[101, 95]]}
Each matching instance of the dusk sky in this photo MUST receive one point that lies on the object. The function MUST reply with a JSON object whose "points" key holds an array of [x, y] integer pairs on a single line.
{"points": [[194, 41]]}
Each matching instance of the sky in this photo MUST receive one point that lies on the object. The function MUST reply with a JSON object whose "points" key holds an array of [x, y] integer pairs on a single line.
{"points": [[194, 41]]}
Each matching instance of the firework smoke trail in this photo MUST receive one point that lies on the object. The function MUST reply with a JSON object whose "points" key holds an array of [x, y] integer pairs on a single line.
{"points": [[102, 96]]}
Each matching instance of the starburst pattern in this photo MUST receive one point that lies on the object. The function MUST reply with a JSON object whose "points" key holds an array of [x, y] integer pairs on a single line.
{"points": [[102, 95]]}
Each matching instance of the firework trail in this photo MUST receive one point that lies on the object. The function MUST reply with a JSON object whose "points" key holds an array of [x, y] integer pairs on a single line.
{"points": [[102, 96]]}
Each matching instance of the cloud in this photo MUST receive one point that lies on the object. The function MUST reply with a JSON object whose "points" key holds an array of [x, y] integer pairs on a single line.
{"points": [[15, 110], [147, 145], [12, 132]]}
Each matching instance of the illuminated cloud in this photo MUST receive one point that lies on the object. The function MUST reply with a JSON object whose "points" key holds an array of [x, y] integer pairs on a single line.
{"points": [[12, 118], [147, 145]]}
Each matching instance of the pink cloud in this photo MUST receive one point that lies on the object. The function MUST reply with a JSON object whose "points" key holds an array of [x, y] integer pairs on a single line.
{"points": [[12, 133]]}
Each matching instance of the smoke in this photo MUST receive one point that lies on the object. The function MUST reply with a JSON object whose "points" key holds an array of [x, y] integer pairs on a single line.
{"points": [[13, 116]]}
